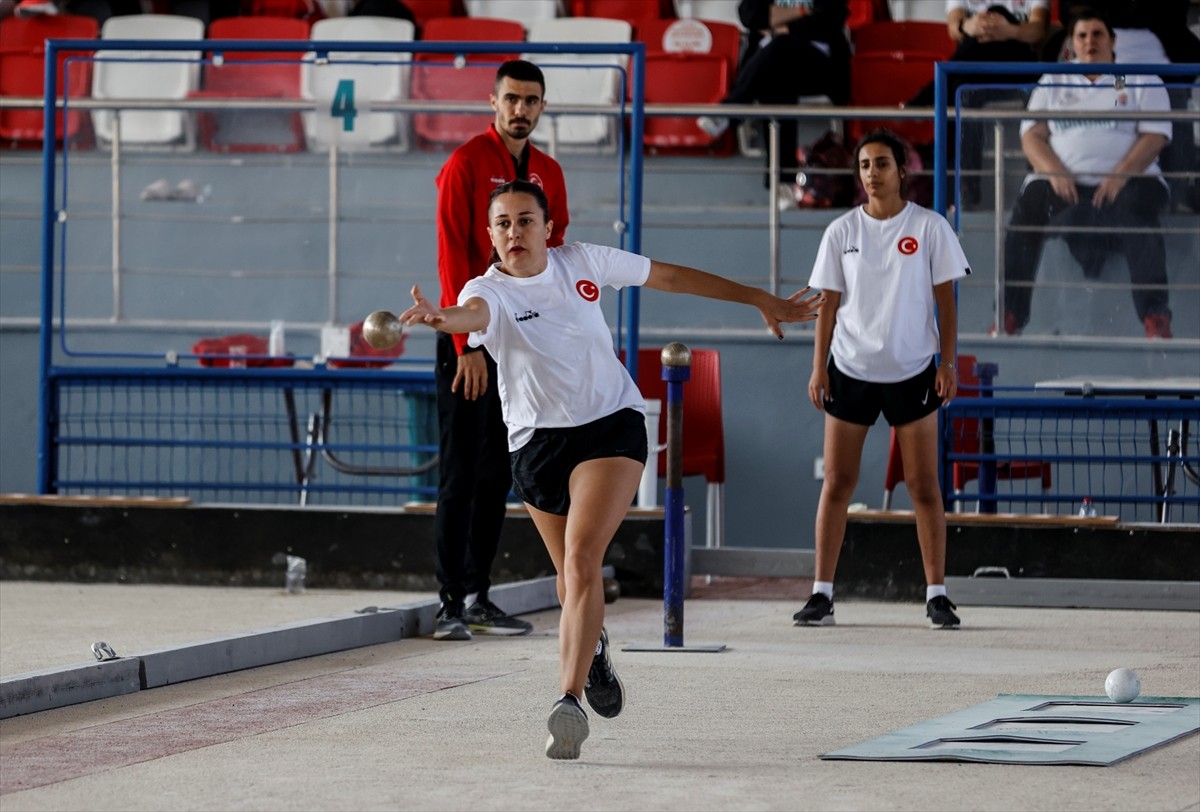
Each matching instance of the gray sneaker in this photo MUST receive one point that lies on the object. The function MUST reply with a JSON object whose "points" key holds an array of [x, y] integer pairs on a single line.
{"points": [[713, 126], [450, 624], [485, 617], [568, 727], [604, 690]]}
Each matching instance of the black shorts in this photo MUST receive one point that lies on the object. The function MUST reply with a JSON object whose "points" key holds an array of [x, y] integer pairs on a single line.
{"points": [[901, 402], [542, 467]]}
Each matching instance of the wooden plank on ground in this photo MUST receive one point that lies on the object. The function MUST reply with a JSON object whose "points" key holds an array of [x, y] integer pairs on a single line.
{"points": [[65, 500]]}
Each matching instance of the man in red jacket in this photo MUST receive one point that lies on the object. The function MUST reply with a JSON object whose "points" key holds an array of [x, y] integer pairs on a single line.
{"points": [[473, 451]]}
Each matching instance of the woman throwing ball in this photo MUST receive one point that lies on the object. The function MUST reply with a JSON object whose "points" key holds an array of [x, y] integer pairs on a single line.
{"points": [[576, 425], [887, 269]]}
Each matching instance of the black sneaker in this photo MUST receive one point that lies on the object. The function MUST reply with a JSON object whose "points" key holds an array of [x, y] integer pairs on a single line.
{"points": [[941, 613], [568, 727], [486, 617], [604, 690], [450, 624], [817, 612]]}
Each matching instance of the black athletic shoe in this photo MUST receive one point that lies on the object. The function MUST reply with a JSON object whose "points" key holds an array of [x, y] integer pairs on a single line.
{"points": [[604, 690], [568, 727], [450, 624], [486, 617], [941, 613], [817, 612]]}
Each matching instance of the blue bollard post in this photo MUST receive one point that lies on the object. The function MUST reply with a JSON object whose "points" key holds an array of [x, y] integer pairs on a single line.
{"points": [[986, 372], [676, 368]]}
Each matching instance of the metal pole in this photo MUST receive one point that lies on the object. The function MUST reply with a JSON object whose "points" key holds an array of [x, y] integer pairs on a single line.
{"points": [[115, 164], [998, 224], [676, 368], [333, 233], [773, 207]]}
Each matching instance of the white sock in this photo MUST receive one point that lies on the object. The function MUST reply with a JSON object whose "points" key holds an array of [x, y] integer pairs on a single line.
{"points": [[824, 587], [933, 590]]}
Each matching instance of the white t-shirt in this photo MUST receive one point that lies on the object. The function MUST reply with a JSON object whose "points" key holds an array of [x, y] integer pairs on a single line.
{"points": [[1018, 8], [886, 270], [1091, 148], [552, 345]]}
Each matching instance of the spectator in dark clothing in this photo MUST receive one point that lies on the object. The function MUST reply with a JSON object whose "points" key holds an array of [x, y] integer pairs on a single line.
{"points": [[797, 48]]}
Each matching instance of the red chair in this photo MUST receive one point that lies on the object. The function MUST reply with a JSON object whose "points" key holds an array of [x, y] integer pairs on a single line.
{"points": [[434, 78], [253, 74], [886, 79], [966, 441], [865, 12], [22, 73], [681, 36], [426, 10], [906, 37], [687, 62], [307, 10], [703, 429], [635, 12]]}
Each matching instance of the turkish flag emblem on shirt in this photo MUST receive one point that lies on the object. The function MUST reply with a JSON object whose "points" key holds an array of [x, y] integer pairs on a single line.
{"points": [[908, 245]]}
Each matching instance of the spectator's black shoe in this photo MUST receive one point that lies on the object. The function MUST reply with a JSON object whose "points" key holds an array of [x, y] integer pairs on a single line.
{"points": [[817, 612], [941, 613], [450, 624], [485, 617], [568, 727], [604, 690]]}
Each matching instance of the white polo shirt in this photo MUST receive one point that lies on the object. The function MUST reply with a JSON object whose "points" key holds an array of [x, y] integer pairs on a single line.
{"points": [[552, 344], [886, 270], [1018, 8], [1091, 148]]}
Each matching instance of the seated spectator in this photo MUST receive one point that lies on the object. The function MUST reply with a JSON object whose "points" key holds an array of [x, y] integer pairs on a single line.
{"points": [[1151, 32], [797, 48], [985, 31], [1092, 172]]}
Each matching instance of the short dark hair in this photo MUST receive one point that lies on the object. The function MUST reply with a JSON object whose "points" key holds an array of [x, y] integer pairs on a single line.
{"points": [[1089, 14], [522, 187], [520, 70], [885, 136]]}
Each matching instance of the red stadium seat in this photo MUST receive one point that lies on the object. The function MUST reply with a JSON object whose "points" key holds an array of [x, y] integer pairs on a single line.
{"points": [[703, 428], [435, 78], [669, 36], [865, 12], [886, 79], [688, 62], [426, 10], [253, 74], [907, 37], [635, 12], [22, 73]]}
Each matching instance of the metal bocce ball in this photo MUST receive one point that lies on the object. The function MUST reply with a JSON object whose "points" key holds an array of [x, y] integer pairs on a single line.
{"points": [[382, 330]]}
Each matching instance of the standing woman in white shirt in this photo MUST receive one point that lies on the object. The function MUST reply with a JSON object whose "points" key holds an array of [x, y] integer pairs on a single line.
{"points": [[576, 420], [887, 269]]}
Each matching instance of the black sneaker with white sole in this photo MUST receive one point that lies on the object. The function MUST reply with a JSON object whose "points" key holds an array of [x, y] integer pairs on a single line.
{"points": [[568, 726], [604, 690], [941, 613], [817, 612], [485, 617], [450, 624]]}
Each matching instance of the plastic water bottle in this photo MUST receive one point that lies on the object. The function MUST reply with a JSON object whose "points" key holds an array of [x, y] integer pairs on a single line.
{"points": [[275, 343], [297, 570], [1087, 510]]}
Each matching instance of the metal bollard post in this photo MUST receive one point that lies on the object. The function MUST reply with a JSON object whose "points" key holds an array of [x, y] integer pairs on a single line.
{"points": [[676, 368]]}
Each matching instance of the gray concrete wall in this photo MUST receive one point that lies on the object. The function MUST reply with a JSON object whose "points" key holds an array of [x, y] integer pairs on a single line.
{"points": [[256, 249]]}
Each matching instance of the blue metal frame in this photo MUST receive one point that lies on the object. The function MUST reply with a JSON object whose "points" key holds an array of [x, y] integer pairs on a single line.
{"points": [[49, 374]]}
